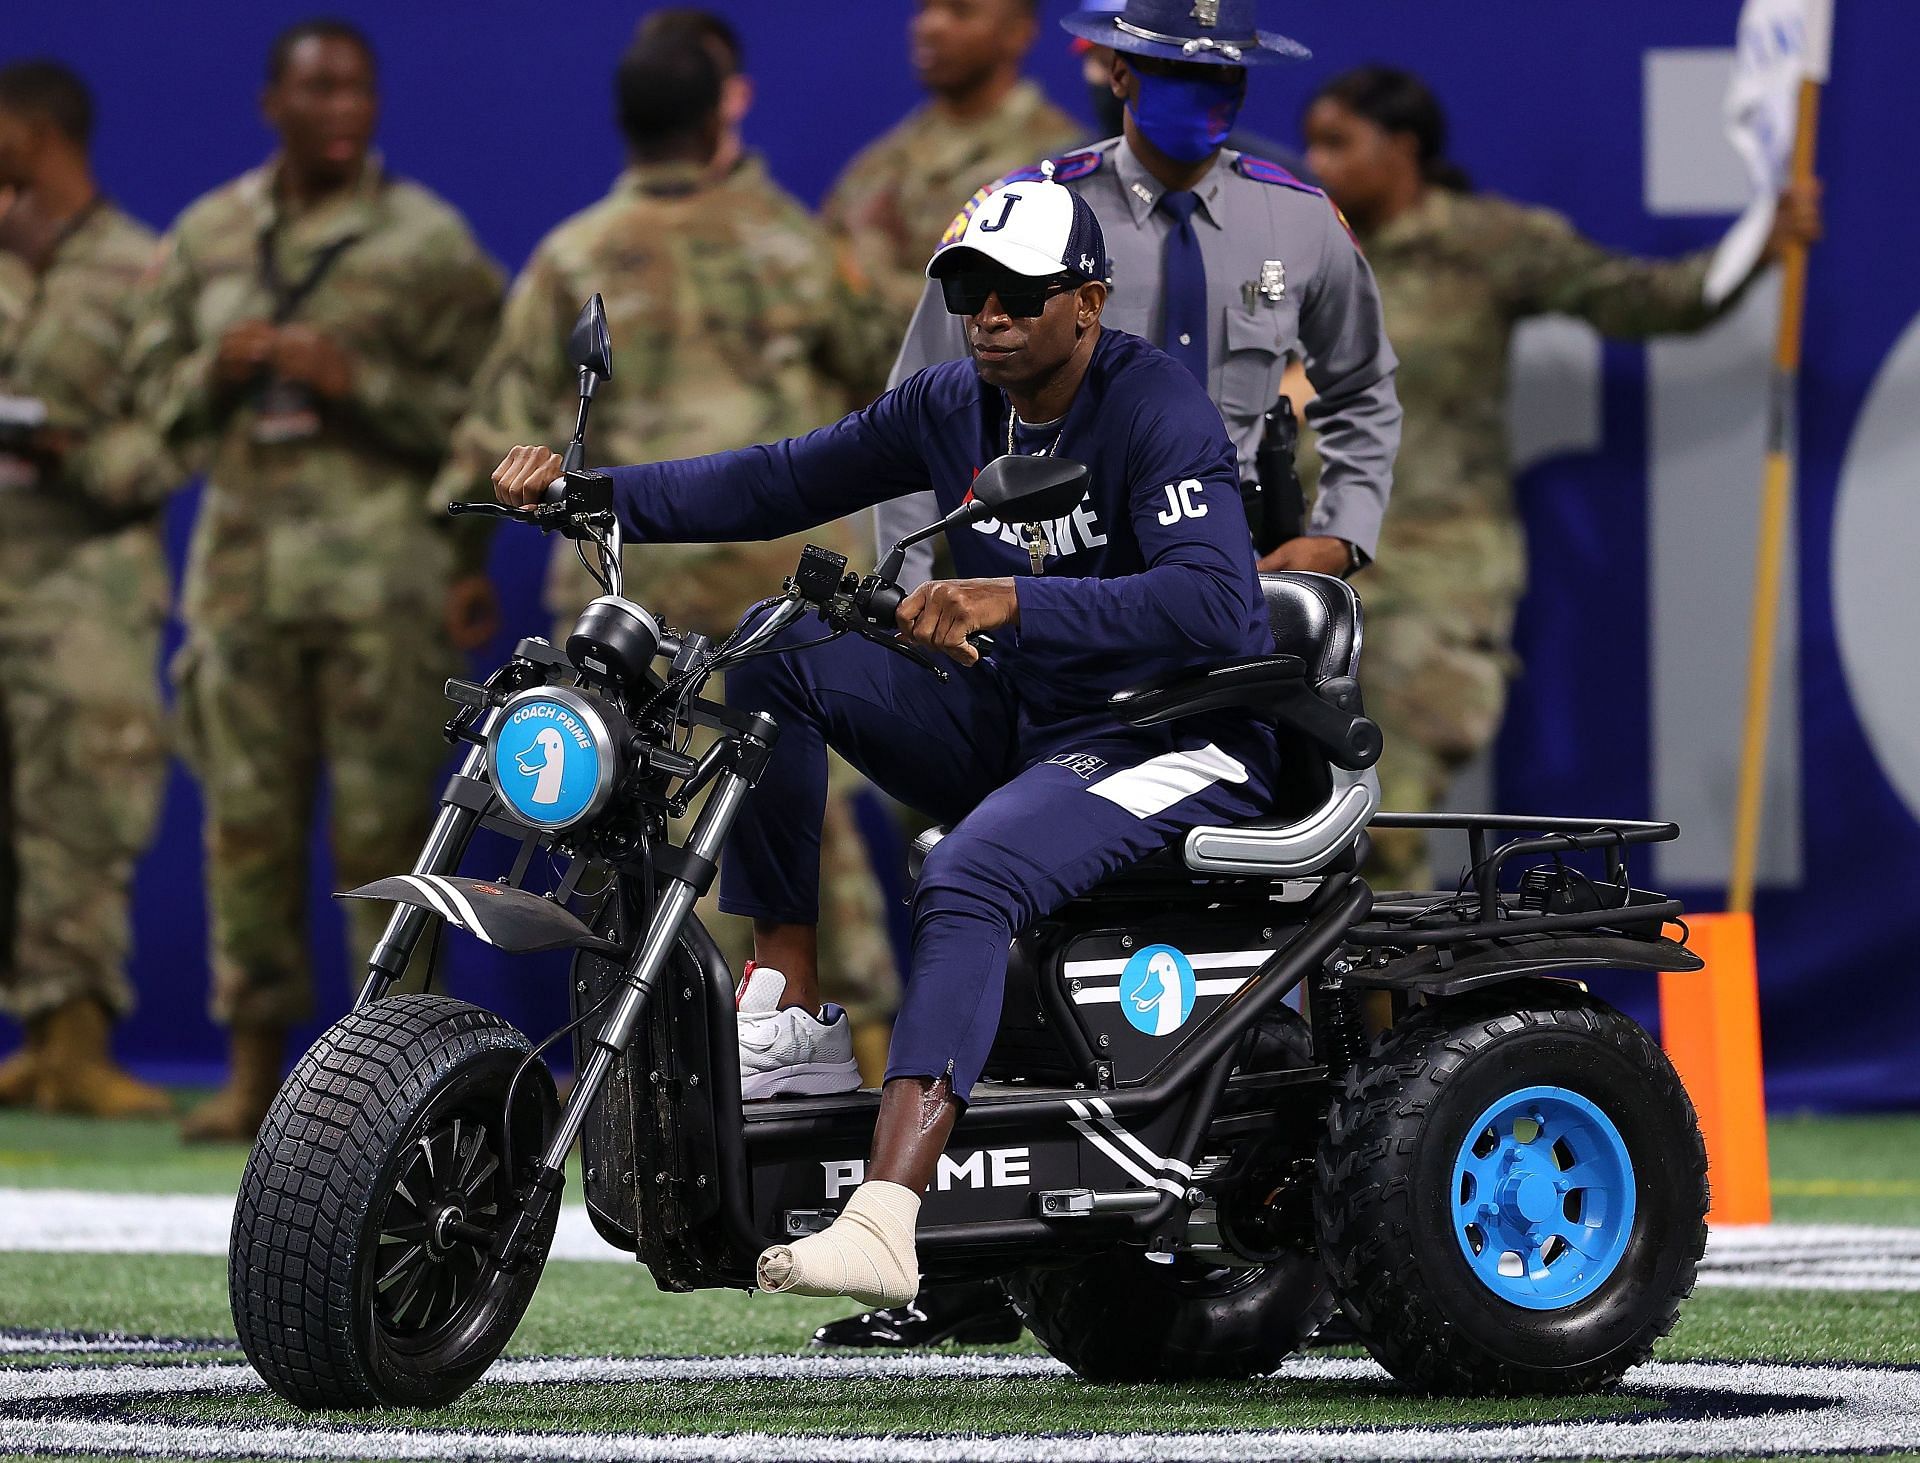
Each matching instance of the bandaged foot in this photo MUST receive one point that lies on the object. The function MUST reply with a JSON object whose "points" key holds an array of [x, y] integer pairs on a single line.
{"points": [[866, 1254]]}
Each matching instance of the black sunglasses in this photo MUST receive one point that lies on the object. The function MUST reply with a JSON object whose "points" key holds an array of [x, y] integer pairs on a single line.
{"points": [[1020, 297]]}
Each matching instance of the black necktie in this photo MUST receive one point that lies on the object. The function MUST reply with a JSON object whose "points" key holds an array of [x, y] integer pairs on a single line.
{"points": [[1183, 288]]}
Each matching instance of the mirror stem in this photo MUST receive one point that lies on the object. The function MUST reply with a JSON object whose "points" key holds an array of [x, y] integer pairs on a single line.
{"points": [[967, 512], [576, 456]]}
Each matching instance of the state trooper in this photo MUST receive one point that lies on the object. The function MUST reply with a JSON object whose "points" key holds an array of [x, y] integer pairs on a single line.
{"points": [[1229, 262], [1233, 266]]}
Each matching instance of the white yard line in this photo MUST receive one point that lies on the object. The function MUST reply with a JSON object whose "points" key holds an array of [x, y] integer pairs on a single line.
{"points": [[1765, 1257], [81, 1221], [1815, 1410]]}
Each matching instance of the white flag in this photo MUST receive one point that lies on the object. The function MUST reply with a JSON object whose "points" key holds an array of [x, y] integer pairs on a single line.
{"points": [[1781, 44]]}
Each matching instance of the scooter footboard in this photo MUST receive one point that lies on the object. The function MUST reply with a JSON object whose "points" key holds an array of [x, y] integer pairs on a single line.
{"points": [[1027, 1170]]}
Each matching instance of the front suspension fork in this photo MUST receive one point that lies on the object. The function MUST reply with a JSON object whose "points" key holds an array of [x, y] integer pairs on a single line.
{"points": [[677, 898], [461, 807]]}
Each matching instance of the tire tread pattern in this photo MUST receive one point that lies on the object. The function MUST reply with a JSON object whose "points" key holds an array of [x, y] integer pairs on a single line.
{"points": [[1362, 1193], [309, 1185]]}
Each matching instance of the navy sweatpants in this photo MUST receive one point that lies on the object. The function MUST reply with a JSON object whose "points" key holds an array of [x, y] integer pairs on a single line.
{"points": [[1040, 813]]}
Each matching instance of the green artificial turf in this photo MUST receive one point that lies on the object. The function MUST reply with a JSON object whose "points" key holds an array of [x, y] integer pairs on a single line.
{"points": [[1859, 1170], [584, 1309], [973, 1405], [1852, 1170], [130, 1156]]}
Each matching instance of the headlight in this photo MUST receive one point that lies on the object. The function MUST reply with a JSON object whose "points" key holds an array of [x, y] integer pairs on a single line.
{"points": [[554, 756]]}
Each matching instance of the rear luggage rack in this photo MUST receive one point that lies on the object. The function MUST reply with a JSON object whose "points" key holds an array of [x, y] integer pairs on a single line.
{"points": [[1552, 898]]}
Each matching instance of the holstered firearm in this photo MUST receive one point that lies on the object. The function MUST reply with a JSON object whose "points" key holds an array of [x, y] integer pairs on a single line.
{"points": [[1276, 503]]}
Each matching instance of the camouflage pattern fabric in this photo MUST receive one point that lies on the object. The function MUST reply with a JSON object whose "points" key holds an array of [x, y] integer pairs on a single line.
{"points": [[261, 714], [732, 324], [895, 199], [316, 580], [1456, 274], [83, 590]]}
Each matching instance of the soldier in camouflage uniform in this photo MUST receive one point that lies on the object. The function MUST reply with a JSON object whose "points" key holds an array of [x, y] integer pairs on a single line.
{"points": [[731, 325], [981, 121], [83, 590], [1457, 270], [308, 339]]}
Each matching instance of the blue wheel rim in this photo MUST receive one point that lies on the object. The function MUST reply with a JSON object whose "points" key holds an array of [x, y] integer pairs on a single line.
{"points": [[1543, 1198]]}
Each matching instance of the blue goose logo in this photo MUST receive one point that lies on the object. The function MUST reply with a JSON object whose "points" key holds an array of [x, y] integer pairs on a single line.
{"points": [[1156, 990], [546, 763]]}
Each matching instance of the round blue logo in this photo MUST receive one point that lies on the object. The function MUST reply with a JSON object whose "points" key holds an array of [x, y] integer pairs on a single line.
{"points": [[547, 762], [1156, 990]]}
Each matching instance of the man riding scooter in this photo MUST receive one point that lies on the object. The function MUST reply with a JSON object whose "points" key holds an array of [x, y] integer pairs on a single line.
{"points": [[1049, 792]]}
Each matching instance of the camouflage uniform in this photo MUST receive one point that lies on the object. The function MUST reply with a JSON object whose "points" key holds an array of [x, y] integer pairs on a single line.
{"points": [[83, 591], [731, 326], [1456, 273], [316, 581], [895, 199]]}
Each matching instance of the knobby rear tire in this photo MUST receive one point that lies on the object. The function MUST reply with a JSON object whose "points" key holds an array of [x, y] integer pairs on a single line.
{"points": [[1385, 1208], [1120, 1317]]}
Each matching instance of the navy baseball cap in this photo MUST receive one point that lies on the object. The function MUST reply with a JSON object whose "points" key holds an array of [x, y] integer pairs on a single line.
{"points": [[1034, 229]]}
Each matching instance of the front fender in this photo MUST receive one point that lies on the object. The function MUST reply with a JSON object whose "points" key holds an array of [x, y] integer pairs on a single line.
{"points": [[507, 918]]}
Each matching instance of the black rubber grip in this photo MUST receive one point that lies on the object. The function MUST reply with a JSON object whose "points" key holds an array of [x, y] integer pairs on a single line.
{"points": [[883, 606]]}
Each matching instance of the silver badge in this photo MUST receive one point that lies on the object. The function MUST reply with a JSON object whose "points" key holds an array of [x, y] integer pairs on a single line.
{"points": [[1273, 280], [1143, 193], [1207, 12]]}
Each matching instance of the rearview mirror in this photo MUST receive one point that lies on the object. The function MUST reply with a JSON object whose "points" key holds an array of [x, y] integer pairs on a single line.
{"points": [[1013, 489], [1031, 489], [590, 347]]}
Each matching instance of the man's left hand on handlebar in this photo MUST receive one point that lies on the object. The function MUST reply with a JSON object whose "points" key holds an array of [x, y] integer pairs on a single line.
{"points": [[941, 613], [524, 474]]}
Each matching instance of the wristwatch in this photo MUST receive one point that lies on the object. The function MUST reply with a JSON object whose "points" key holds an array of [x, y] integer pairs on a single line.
{"points": [[1356, 561]]}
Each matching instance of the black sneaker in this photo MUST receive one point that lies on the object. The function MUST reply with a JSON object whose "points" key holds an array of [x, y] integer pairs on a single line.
{"points": [[971, 1313]]}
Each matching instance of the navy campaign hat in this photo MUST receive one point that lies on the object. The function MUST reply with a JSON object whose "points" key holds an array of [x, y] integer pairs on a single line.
{"points": [[1215, 32], [1035, 229]]}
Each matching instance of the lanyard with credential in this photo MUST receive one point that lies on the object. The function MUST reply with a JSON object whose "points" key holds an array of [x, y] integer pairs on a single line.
{"points": [[286, 301], [285, 411]]}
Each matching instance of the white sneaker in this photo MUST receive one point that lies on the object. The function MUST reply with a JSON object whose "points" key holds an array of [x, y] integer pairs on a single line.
{"points": [[790, 1050]]}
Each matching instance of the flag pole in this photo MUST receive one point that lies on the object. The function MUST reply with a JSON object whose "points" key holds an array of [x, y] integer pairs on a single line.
{"points": [[1776, 503]]}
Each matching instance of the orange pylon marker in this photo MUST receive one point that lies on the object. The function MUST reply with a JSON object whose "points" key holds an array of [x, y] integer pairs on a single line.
{"points": [[1710, 1026]]}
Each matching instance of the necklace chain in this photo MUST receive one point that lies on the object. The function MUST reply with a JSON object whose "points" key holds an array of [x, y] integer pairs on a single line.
{"points": [[1037, 544], [1013, 421]]}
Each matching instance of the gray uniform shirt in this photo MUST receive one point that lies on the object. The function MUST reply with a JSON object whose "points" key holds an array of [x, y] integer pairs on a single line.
{"points": [[1321, 303]]}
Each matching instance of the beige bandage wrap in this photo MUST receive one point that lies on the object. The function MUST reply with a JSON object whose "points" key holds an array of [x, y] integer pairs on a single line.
{"points": [[866, 1254]]}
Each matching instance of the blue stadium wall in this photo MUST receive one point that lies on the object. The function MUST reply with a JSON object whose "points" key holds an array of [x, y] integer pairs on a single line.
{"points": [[504, 108]]}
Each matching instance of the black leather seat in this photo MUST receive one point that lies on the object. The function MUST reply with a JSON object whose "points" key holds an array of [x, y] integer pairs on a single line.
{"points": [[1317, 618]]}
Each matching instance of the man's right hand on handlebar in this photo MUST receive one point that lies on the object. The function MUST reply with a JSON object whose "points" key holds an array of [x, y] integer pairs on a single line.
{"points": [[524, 474]]}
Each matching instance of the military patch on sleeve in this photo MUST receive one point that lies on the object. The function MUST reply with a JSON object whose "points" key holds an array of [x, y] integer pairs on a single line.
{"points": [[1262, 171], [1073, 166]]}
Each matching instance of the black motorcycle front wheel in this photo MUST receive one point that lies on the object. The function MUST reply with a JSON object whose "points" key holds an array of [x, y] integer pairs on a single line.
{"points": [[358, 1272]]}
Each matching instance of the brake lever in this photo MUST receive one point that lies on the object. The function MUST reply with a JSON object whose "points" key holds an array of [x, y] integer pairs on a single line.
{"points": [[912, 652], [490, 510]]}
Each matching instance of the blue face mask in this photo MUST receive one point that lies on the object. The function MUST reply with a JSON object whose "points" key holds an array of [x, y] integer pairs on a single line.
{"points": [[1188, 118]]}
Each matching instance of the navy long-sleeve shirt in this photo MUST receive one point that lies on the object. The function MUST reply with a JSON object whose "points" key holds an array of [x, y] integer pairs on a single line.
{"points": [[1153, 572]]}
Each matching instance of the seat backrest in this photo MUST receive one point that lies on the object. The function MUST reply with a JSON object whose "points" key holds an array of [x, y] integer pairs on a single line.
{"points": [[1316, 617]]}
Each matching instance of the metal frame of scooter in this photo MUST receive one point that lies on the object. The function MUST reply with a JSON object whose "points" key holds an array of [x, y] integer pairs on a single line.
{"points": [[1196, 1073]]}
